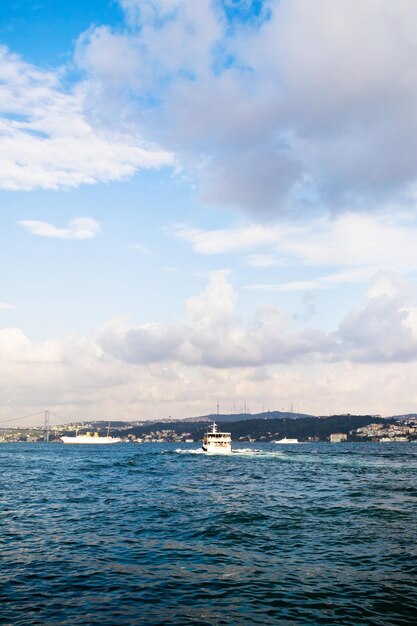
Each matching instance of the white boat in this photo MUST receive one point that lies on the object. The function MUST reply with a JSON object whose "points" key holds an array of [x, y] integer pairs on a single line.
{"points": [[400, 439], [215, 442], [89, 438], [285, 440]]}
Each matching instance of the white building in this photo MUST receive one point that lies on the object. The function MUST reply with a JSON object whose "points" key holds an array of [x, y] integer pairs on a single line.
{"points": [[337, 437]]}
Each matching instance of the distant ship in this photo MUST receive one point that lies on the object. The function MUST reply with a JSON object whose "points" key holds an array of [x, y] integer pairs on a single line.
{"points": [[215, 442], [285, 440], [89, 438]]}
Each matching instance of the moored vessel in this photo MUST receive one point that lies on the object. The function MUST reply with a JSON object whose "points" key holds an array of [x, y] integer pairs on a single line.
{"points": [[215, 442], [89, 438], [285, 440]]}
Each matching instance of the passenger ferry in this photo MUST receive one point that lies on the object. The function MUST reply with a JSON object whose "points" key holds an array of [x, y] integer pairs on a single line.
{"points": [[215, 442]]}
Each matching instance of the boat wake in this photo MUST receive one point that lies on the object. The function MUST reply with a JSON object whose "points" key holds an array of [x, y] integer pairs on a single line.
{"points": [[247, 452], [256, 452], [198, 451]]}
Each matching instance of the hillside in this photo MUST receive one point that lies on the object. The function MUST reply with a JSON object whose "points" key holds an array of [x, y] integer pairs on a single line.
{"points": [[264, 429], [240, 417]]}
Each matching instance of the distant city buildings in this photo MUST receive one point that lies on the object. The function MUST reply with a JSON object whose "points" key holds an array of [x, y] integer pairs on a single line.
{"points": [[403, 429], [385, 433]]}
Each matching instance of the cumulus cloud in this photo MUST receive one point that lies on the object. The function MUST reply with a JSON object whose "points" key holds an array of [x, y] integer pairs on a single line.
{"points": [[283, 109], [47, 141], [79, 228], [378, 332], [292, 106], [383, 329]]}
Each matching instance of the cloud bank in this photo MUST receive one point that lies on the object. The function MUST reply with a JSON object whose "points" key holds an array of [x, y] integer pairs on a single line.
{"points": [[276, 107], [154, 370], [382, 329], [289, 107]]}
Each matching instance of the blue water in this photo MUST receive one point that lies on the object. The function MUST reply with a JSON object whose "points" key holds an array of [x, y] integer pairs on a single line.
{"points": [[149, 534]]}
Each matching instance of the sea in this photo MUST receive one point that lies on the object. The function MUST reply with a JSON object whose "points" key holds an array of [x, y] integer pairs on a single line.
{"points": [[144, 534]]}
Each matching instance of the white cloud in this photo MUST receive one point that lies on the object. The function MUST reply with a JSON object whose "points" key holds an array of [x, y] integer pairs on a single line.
{"points": [[273, 115], [48, 141], [230, 240], [79, 228], [367, 364], [355, 240], [355, 245], [313, 102], [67, 374], [383, 329], [5, 306], [391, 285], [213, 335], [324, 282]]}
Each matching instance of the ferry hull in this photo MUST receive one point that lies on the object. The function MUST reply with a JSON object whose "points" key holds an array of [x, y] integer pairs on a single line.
{"points": [[225, 450], [84, 440]]}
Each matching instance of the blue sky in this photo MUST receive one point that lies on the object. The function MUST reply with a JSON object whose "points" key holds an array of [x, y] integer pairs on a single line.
{"points": [[209, 200]]}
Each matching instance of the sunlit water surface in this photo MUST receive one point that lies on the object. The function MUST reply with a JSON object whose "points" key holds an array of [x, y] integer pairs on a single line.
{"points": [[160, 534]]}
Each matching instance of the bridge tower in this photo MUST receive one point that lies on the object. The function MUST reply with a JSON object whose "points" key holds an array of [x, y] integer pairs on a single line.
{"points": [[46, 427]]}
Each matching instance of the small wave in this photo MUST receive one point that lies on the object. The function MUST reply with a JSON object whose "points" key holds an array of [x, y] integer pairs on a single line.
{"points": [[181, 451], [126, 462], [247, 451]]}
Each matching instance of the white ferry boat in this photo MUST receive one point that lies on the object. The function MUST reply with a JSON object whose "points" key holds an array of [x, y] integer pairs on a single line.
{"points": [[215, 442], [285, 440], [89, 438]]}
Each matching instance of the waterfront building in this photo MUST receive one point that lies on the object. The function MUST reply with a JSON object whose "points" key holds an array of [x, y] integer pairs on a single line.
{"points": [[337, 437]]}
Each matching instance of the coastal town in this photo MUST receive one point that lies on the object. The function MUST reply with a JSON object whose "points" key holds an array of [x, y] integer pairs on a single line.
{"points": [[383, 431]]}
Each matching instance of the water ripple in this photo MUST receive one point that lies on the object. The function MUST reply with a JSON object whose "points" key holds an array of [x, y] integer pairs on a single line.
{"points": [[155, 534]]}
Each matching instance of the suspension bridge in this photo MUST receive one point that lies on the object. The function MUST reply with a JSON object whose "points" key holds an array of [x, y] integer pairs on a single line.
{"points": [[46, 414]]}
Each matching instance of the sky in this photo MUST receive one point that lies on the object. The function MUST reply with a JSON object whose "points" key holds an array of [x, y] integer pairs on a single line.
{"points": [[209, 201]]}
